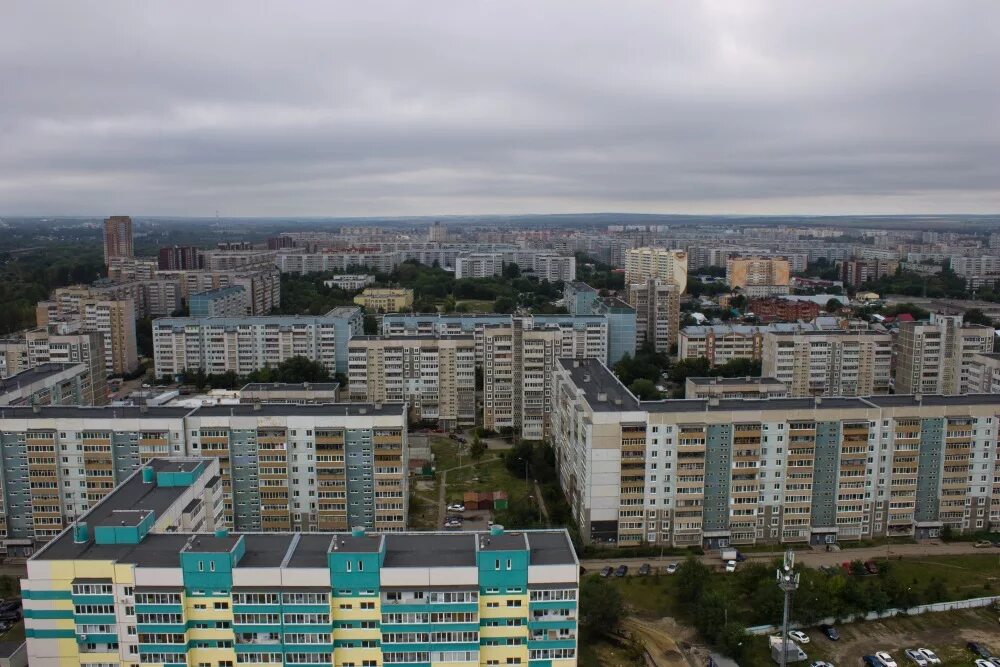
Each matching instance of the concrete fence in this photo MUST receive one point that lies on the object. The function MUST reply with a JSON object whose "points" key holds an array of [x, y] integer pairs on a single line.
{"points": [[973, 603]]}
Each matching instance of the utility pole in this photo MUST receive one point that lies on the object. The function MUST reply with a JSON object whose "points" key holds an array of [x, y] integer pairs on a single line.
{"points": [[788, 581]]}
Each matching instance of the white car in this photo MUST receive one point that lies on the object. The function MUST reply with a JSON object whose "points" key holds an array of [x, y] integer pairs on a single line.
{"points": [[798, 636], [983, 662], [456, 507], [672, 568], [929, 656], [886, 659], [731, 567], [916, 656], [820, 663]]}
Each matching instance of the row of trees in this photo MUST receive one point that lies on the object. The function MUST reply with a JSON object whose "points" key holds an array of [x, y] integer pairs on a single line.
{"points": [[292, 370]]}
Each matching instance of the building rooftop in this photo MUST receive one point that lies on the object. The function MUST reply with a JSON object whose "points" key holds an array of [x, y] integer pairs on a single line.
{"points": [[602, 389], [404, 339], [706, 381], [299, 410], [36, 374], [290, 386]]}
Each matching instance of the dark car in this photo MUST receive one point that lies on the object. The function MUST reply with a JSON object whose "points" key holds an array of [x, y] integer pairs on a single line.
{"points": [[644, 569], [621, 571], [871, 567], [979, 649], [606, 571], [740, 557], [829, 632], [871, 661], [9, 605]]}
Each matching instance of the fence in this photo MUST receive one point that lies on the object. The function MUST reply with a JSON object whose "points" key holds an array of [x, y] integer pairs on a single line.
{"points": [[973, 603]]}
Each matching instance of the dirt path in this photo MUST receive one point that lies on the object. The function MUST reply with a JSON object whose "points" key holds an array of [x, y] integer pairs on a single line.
{"points": [[541, 503], [443, 491], [659, 639]]}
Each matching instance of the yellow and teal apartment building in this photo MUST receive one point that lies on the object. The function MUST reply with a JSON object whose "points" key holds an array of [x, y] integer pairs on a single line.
{"points": [[150, 575]]}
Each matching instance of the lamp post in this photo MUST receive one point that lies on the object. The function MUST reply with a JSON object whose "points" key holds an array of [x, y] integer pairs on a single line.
{"points": [[788, 581]]}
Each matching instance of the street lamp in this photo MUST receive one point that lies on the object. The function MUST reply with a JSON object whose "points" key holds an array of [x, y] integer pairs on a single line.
{"points": [[788, 580]]}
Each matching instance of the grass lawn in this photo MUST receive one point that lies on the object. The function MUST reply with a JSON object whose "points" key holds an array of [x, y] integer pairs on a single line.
{"points": [[489, 474], [965, 576], [475, 305]]}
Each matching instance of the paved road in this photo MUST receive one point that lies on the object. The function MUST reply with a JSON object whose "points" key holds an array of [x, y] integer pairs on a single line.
{"points": [[816, 558], [541, 503]]}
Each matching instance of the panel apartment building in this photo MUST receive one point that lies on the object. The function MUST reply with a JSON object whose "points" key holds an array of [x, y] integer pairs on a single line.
{"points": [[758, 276], [817, 470], [282, 466], [246, 344], [144, 579], [113, 320], [934, 357], [435, 375], [670, 266], [829, 363], [657, 307]]}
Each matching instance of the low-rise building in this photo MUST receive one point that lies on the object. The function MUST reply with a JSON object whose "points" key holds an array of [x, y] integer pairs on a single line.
{"points": [[385, 299], [350, 281], [737, 387], [282, 392]]}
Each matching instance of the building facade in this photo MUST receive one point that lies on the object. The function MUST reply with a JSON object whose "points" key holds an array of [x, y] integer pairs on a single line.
{"points": [[228, 301], [51, 384], [144, 579], [350, 281], [174, 258], [829, 363], [744, 387], [783, 310], [860, 271], [758, 276], [657, 307], [478, 265], [719, 472], [670, 266], [385, 299], [283, 467], [435, 375], [984, 374], [933, 357], [117, 237]]}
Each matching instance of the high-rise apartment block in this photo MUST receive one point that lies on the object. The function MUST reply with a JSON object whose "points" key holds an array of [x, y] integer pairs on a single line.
{"points": [[52, 384], [933, 357], [435, 375], [117, 237], [113, 319], [657, 307], [758, 276], [984, 374], [262, 285], [670, 266], [829, 363], [174, 258], [247, 344], [860, 271], [147, 577], [719, 472], [228, 301], [282, 467], [478, 265], [62, 344]]}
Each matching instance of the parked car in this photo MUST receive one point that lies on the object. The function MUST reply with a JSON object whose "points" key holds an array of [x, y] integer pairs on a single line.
{"points": [[871, 567], [995, 660], [830, 632], [606, 571], [871, 661], [983, 662], [979, 649], [644, 569], [886, 659], [982, 544], [672, 567], [820, 663], [740, 557], [456, 507], [798, 636], [930, 656], [621, 571], [730, 566], [916, 656]]}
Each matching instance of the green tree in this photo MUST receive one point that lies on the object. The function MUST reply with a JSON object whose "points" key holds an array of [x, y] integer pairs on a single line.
{"points": [[476, 448], [976, 316], [833, 305], [371, 325], [692, 579], [601, 608], [511, 270], [644, 390], [504, 305]]}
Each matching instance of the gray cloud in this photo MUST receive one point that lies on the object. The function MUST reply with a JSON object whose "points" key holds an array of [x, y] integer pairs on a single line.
{"points": [[477, 106]]}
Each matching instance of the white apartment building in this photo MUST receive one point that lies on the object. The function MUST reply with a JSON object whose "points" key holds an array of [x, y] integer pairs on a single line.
{"points": [[435, 375], [671, 266], [984, 374], [934, 357], [245, 344], [350, 281], [829, 363], [977, 271], [478, 265], [301, 263]]}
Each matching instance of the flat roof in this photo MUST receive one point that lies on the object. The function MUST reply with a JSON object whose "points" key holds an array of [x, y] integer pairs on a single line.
{"points": [[210, 543], [430, 550], [94, 412], [733, 381], [403, 338], [290, 386], [36, 374], [125, 518], [299, 410], [595, 379]]}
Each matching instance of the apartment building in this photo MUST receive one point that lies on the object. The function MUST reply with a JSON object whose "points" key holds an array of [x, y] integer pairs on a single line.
{"points": [[758, 276], [117, 237], [228, 301], [776, 309], [552, 267], [113, 320], [933, 357], [246, 344], [385, 299], [657, 307], [478, 265], [262, 285], [173, 258], [282, 392], [301, 263], [350, 281], [860, 271], [829, 363], [984, 374], [165, 588], [670, 266], [51, 384], [60, 345], [235, 258], [721, 343], [435, 375], [162, 297], [519, 359], [125, 269], [282, 467], [738, 387], [818, 470], [977, 271]]}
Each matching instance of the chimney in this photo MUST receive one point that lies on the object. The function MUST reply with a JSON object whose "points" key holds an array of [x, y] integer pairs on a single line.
{"points": [[36, 408], [586, 377], [601, 397]]}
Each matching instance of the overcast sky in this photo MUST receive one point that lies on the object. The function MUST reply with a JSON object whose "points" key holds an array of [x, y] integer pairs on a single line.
{"points": [[423, 107]]}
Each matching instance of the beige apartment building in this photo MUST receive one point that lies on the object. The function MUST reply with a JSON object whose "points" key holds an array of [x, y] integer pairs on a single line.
{"points": [[114, 320], [435, 375], [739, 387], [817, 470], [385, 299], [657, 307], [829, 363], [934, 357], [283, 468], [117, 237], [758, 276], [984, 374], [670, 266], [721, 343]]}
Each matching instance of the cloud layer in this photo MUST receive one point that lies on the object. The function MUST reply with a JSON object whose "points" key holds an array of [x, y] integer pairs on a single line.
{"points": [[480, 106]]}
